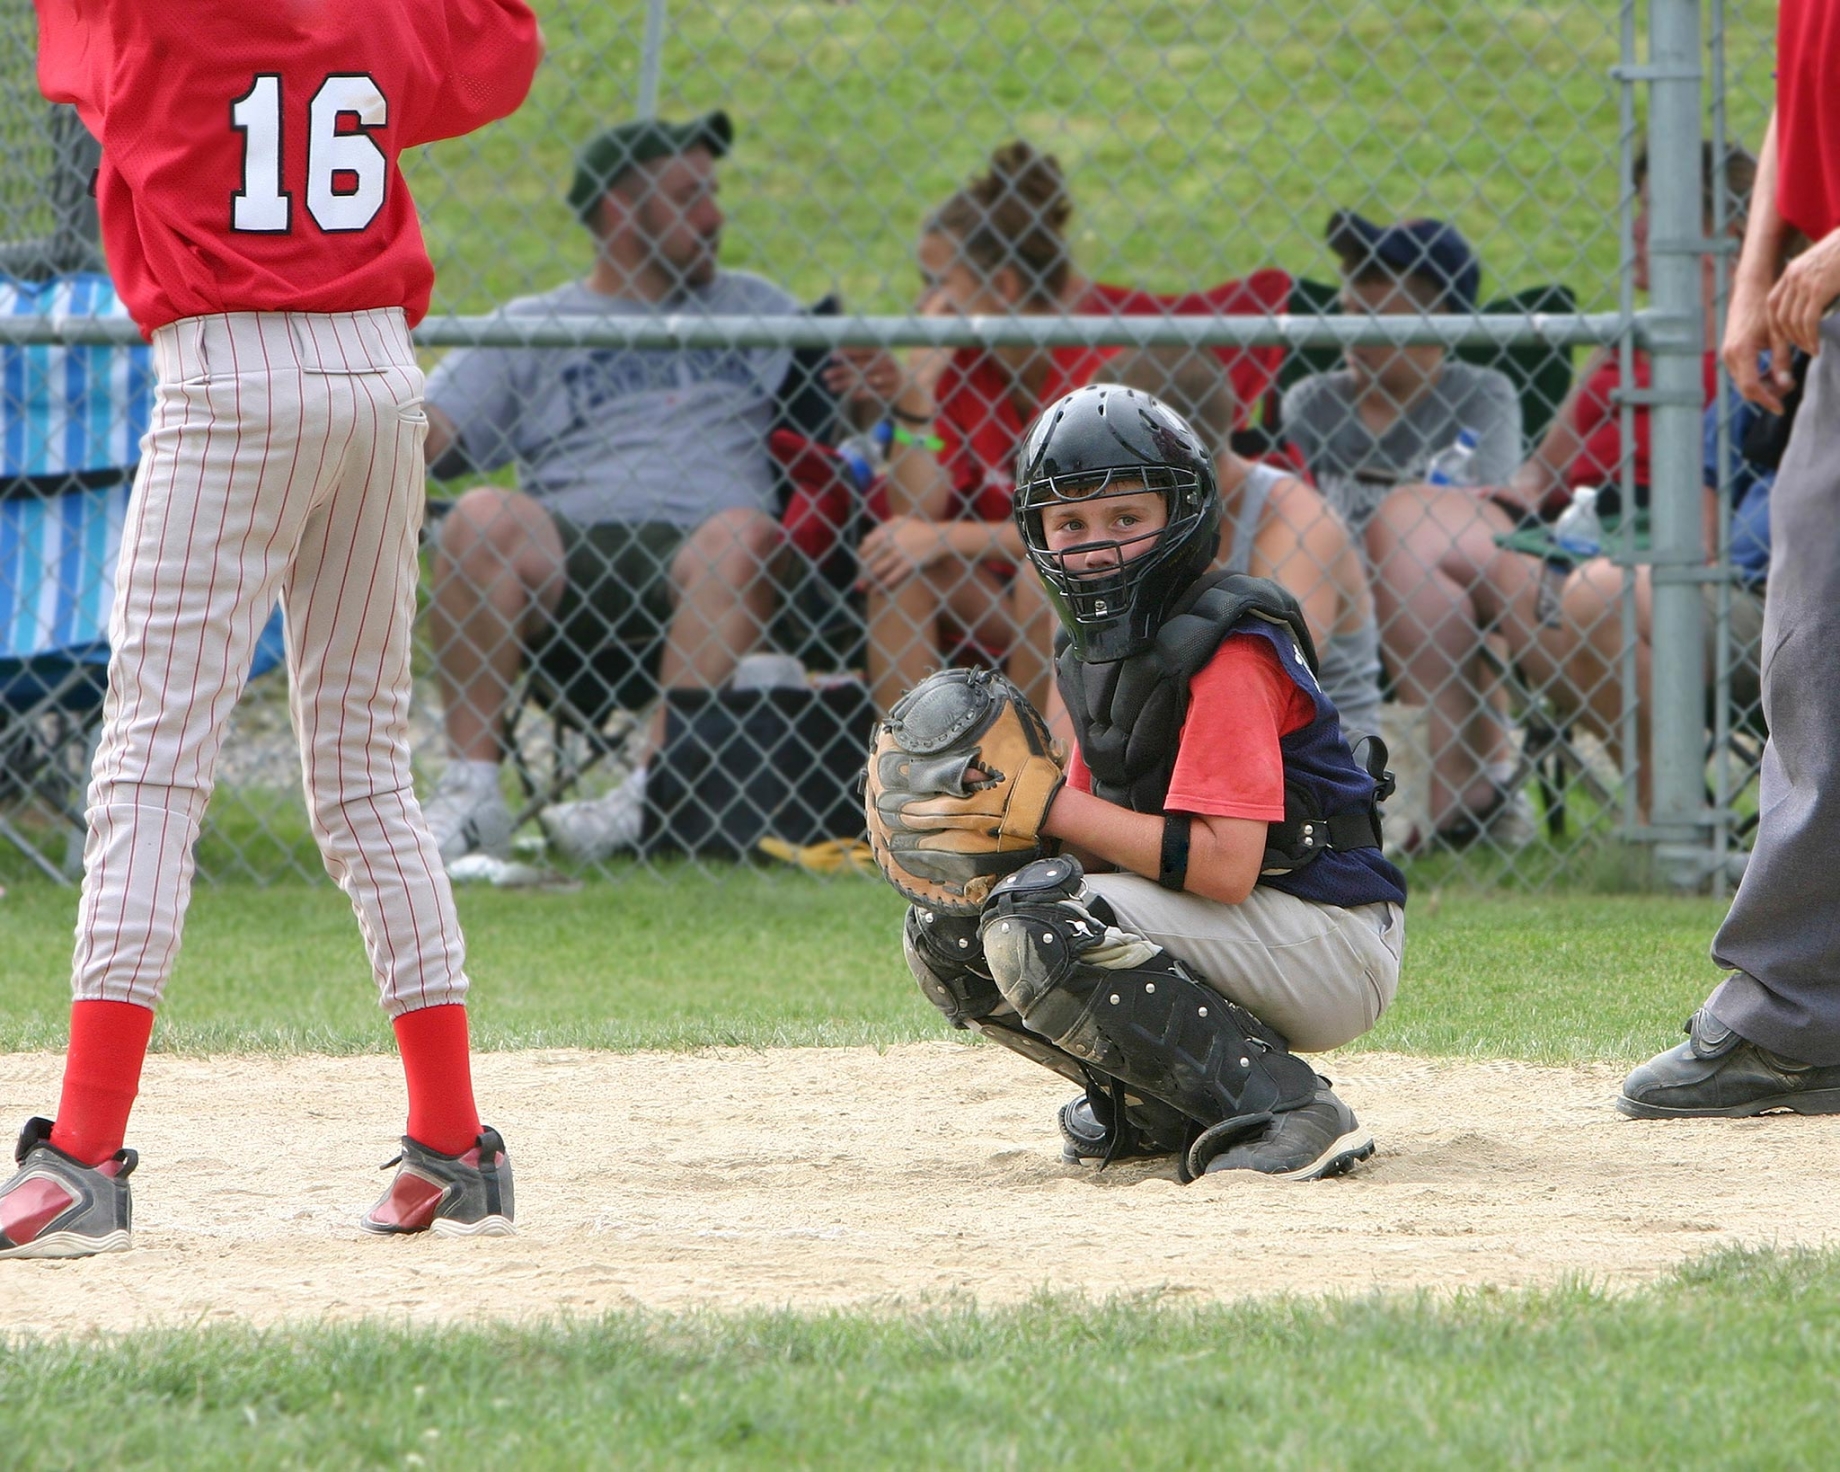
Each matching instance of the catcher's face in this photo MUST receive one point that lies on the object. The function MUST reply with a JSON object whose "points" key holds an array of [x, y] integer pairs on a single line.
{"points": [[1093, 537]]}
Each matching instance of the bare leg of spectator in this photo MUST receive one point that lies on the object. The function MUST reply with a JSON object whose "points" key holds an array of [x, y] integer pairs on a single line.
{"points": [[906, 638], [722, 581], [903, 638], [1031, 655], [497, 576], [1590, 641], [1441, 584], [724, 589]]}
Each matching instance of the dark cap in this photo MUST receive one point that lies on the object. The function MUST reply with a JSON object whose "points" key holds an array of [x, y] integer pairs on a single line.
{"points": [[606, 156], [1429, 249]]}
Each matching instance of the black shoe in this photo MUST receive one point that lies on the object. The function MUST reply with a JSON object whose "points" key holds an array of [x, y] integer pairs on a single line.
{"points": [[1323, 1138], [1717, 1074], [1084, 1135]]}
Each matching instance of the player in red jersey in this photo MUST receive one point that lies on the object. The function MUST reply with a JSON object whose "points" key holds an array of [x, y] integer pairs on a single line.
{"points": [[259, 229]]}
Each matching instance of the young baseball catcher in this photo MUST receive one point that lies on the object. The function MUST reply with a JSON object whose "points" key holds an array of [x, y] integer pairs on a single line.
{"points": [[260, 231], [1218, 897]]}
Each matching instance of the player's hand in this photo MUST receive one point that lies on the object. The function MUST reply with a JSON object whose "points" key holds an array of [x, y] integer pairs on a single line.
{"points": [[1800, 299], [899, 549], [1750, 332]]}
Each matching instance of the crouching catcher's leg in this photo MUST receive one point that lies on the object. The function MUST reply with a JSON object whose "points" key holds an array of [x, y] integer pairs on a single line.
{"points": [[1127, 1009], [946, 955]]}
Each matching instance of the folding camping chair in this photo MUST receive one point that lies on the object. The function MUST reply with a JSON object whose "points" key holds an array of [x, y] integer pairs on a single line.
{"points": [[71, 419]]}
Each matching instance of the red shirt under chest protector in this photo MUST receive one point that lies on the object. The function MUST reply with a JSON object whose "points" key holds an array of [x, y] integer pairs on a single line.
{"points": [[249, 147]]}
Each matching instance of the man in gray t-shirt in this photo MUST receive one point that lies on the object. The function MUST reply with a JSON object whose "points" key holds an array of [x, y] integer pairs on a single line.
{"points": [[643, 525], [1374, 425], [1357, 459]]}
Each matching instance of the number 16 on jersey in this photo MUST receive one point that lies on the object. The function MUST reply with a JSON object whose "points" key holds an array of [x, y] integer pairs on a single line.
{"points": [[346, 170]]}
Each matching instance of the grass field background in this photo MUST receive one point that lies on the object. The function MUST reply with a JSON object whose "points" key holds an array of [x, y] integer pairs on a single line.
{"points": [[1200, 140], [766, 960], [1728, 1362]]}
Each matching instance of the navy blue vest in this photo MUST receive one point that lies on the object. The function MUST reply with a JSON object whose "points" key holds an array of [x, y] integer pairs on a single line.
{"points": [[1133, 758]]}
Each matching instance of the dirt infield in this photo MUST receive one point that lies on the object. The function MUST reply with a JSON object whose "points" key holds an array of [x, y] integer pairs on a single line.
{"points": [[849, 1176]]}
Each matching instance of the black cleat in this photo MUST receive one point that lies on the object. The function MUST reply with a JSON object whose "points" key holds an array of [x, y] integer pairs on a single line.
{"points": [[1717, 1074], [1084, 1136], [1321, 1139]]}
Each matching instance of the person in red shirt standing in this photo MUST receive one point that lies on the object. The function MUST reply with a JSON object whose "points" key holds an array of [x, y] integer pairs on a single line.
{"points": [[260, 231], [1226, 908], [1768, 1038]]}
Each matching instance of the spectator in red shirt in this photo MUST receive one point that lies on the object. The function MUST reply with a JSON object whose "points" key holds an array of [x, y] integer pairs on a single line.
{"points": [[1444, 584], [939, 572]]}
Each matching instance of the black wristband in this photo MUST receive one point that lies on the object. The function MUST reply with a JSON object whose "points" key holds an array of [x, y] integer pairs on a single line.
{"points": [[1172, 869], [904, 417]]}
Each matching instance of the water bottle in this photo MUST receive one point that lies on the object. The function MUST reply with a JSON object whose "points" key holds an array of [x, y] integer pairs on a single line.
{"points": [[862, 456], [1578, 533], [1455, 464]]}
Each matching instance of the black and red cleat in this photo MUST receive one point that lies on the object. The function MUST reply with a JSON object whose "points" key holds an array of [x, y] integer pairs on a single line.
{"points": [[464, 1195], [56, 1206]]}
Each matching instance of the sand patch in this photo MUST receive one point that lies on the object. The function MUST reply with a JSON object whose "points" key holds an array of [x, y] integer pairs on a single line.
{"points": [[846, 1176]]}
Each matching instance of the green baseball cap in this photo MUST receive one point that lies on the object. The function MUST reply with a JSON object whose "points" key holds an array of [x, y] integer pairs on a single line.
{"points": [[606, 156]]}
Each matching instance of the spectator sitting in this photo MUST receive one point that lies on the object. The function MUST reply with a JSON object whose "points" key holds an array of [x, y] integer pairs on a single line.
{"points": [[645, 510], [1444, 584], [1589, 639], [1275, 526], [941, 570], [1374, 425]]}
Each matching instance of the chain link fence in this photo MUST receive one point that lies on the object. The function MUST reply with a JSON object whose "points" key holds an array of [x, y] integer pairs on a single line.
{"points": [[738, 323]]}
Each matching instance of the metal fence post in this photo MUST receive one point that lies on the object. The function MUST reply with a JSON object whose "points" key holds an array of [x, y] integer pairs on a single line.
{"points": [[651, 59], [1676, 344]]}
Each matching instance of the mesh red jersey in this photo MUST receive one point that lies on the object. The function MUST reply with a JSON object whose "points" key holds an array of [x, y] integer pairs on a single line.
{"points": [[249, 147], [1808, 116]]}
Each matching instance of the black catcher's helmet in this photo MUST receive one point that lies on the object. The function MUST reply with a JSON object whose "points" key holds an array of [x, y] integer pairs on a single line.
{"points": [[1104, 440]]}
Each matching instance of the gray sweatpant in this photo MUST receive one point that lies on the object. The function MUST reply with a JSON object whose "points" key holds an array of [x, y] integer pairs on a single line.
{"points": [[1320, 974], [1782, 936]]}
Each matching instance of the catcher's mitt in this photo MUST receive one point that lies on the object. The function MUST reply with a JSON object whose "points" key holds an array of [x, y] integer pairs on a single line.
{"points": [[960, 778]]}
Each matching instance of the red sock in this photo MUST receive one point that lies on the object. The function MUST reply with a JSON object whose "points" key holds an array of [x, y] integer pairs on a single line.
{"points": [[102, 1074], [439, 1070]]}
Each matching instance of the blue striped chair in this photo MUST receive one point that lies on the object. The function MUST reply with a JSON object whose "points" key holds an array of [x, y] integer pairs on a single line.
{"points": [[71, 421]]}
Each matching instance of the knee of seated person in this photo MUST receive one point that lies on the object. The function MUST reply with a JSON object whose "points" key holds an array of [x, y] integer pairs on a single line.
{"points": [[480, 521], [731, 545], [1592, 589]]}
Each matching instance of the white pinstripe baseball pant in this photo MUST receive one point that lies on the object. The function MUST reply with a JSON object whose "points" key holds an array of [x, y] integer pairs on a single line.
{"points": [[284, 457]]}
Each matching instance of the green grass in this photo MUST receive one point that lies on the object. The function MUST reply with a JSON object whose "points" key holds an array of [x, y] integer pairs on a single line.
{"points": [[1729, 1362], [763, 959], [1201, 140]]}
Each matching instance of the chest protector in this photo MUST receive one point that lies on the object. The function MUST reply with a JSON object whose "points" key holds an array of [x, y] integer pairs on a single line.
{"points": [[1128, 715]]}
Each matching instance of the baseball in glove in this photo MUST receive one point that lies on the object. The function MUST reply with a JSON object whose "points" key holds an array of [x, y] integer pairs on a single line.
{"points": [[959, 781]]}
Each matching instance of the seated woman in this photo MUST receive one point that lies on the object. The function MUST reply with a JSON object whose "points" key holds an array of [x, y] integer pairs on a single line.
{"points": [[1588, 642], [940, 571], [1275, 526], [1444, 585]]}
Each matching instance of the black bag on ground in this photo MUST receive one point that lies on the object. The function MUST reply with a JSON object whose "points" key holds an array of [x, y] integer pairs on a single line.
{"points": [[738, 766]]}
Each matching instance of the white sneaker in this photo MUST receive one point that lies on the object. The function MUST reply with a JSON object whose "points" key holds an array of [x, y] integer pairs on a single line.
{"points": [[1513, 825], [587, 832], [468, 816]]}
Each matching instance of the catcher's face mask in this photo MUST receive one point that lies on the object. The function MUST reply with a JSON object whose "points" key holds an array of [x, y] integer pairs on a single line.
{"points": [[1117, 506]]}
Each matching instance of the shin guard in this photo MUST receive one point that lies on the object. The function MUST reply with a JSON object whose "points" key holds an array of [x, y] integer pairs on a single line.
{"points": [[1126, 1008]]}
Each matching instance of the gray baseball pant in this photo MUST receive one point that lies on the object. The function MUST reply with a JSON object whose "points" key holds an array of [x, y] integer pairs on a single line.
{"points": [[1782, 936]]}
